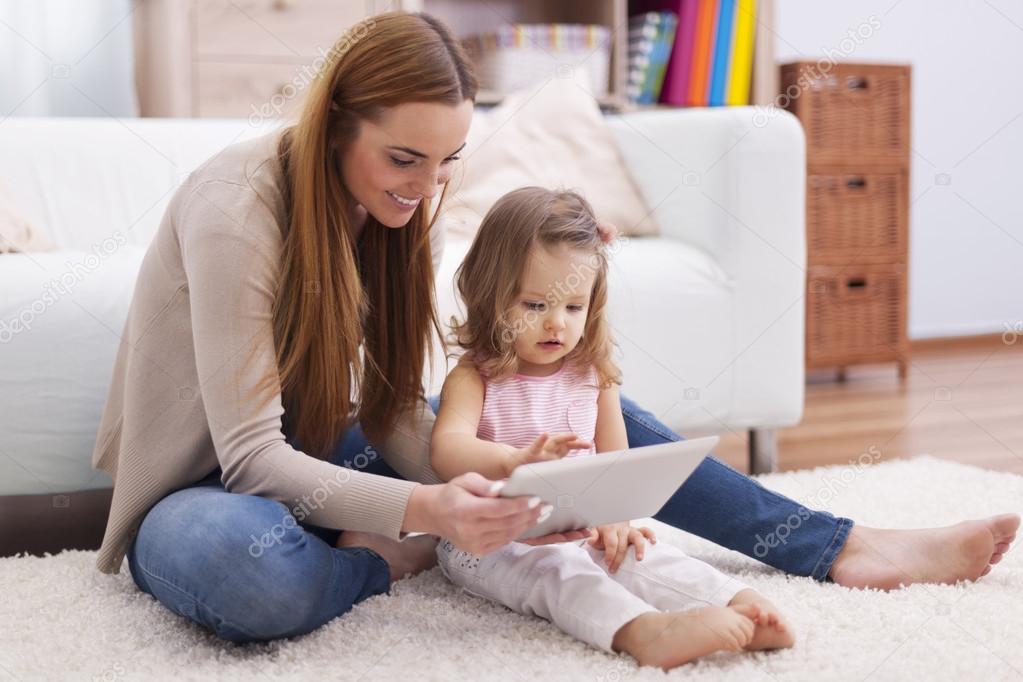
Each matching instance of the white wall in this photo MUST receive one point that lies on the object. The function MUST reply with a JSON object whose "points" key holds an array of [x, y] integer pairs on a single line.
{"points": [[66, 58], [966, 244]]}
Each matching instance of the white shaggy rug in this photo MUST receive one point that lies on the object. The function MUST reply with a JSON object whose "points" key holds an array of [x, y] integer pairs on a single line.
{"points": [[62, 619]]}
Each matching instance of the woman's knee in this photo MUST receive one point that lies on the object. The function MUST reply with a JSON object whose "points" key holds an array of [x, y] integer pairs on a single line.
{"points": [[238, 564], [207, 523]]}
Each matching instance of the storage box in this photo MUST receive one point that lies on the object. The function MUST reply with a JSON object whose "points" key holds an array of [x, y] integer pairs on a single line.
{"points": [[850, 111], [855, 214], [855, 314], [518, 56]]}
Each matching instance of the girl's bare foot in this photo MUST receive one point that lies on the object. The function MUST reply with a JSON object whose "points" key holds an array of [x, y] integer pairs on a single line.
{"points": [[772, 631], [410, 556], [668, 640], [886, 559]]}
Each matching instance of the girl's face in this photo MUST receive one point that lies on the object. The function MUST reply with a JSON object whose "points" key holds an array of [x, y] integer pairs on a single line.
{"points": [[404, 157], [549, 315]]}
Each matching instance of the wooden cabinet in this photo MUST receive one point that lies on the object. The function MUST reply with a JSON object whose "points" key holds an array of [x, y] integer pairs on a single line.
{"points": [[245, 58], [271, 30], [856, 119]]}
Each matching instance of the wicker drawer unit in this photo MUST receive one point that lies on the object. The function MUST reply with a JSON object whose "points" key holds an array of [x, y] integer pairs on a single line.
{"points": [[855, 313], [855, 215], [856, 119], [853, 112]]}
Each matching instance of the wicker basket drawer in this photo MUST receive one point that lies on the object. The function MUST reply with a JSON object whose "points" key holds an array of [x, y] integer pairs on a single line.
{"points": [[856, 217], [852, 111], [855, 314]]}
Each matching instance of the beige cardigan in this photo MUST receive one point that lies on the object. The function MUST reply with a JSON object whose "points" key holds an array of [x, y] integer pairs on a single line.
{"points": [[202, 302]]}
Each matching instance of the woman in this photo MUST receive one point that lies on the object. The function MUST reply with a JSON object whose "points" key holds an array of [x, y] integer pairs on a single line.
{"points": [[288, 295]]}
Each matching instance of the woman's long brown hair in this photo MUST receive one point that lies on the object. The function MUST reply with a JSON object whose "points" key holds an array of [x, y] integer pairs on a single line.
{"points": [[335, 297]]}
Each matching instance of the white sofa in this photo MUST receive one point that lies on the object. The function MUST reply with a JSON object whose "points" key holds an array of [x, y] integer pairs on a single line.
{"points": [[709, 314]]}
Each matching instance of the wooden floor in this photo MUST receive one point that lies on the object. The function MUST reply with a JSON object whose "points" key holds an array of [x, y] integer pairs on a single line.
{"points": [[962, 400]]}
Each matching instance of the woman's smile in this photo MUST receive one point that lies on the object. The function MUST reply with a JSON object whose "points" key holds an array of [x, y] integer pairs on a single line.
{"points": [[405, 203]]}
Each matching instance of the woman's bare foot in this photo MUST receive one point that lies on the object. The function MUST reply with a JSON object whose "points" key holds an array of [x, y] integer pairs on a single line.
{"points": [[668, 640], [410, 556], [886, 559], [772, 631]]}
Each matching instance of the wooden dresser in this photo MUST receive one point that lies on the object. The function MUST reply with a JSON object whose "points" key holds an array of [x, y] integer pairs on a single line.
{"points": [[856, 119], [248, 58]]}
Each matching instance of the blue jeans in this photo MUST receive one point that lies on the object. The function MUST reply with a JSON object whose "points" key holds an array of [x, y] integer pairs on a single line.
{"points": [[242, 566], [732, 510]]}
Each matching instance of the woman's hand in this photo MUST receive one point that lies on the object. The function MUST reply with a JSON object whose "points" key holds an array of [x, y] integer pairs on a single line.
{"points": [[468, 512], [543, 449], [615, 539]]}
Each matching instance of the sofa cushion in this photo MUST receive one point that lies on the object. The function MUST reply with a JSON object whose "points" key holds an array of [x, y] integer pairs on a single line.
{"points": [[79, 179], [664, 295], [60, 327], [554, 137], [17, 234]]}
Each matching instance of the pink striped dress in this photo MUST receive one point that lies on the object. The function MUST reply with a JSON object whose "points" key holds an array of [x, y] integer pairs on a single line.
{"points": [[519, 408]]}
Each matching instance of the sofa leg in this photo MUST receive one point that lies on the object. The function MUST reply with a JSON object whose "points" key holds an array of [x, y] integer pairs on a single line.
{"points": [[763, 451]]}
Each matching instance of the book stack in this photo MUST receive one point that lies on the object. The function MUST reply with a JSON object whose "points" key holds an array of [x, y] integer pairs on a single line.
{"points": [[710, 59], [651, 38]]}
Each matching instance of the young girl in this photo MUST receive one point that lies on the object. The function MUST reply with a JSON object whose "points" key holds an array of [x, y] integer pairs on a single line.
{"points": [[538, 362]]}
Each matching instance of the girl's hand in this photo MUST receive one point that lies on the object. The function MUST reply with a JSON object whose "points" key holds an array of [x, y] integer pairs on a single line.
{"points": [[615, 539], [468, 512], [543, 449]]}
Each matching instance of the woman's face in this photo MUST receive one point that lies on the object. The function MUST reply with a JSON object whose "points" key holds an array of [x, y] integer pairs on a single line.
{"points": [[404, 157]]}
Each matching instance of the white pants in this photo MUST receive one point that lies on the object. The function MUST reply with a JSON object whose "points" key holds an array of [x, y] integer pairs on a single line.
{"points": [[568, 584]]}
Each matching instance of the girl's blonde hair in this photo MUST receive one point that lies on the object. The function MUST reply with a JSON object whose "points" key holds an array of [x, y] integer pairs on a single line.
{"points": [[489, 280], [335, 297]]}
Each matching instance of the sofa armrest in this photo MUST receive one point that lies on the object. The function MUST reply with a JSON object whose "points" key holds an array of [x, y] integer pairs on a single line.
{"points": [[731, 183]]}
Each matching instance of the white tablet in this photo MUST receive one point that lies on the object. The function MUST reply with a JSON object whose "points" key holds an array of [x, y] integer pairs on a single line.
{"points": [[609, 487]]}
